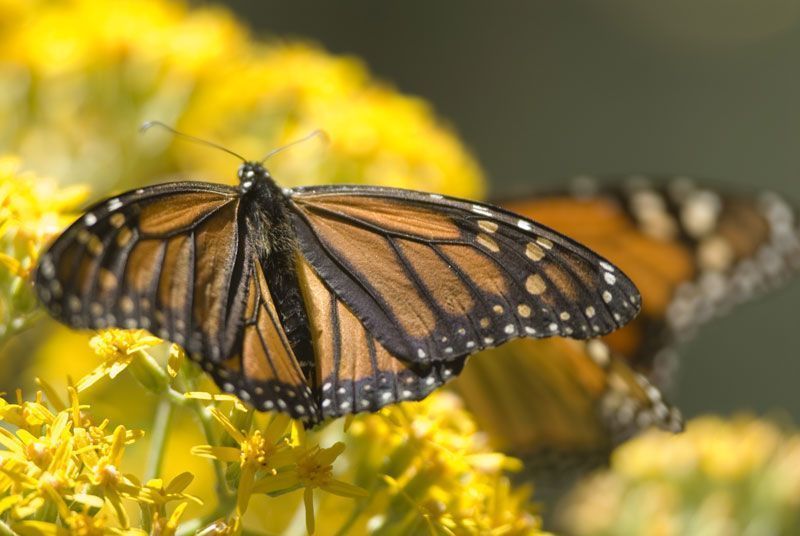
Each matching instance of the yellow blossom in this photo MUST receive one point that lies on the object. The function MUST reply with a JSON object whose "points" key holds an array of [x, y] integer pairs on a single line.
{"points": [[61, 468], [429, 470], [118, 348], [32, 211], [312, 469], [719, 476], [168, 526], [257, 453]]}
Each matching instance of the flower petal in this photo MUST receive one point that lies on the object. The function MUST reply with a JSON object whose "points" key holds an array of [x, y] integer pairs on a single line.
{"points": [[225, 454]]}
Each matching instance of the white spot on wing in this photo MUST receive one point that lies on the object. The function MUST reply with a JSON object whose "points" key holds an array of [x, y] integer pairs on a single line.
{"points": [[524, 225], [483, 211]]}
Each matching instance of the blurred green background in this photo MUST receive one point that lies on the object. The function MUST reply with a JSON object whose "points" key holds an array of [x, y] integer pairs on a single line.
{"points": [[544, 90]]}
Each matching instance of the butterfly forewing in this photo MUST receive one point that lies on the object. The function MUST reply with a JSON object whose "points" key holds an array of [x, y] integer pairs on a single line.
{"points": [[165, 258], [435, 278], [691, 249]]}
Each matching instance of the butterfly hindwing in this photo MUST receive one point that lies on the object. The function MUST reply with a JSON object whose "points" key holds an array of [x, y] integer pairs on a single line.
{"points": [[560, 395], [265, 371], [436, 278], [355, 372]]}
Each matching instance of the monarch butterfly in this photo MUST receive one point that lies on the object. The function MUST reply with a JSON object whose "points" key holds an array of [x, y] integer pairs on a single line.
{"points": [[325, 300], [692, 250]]}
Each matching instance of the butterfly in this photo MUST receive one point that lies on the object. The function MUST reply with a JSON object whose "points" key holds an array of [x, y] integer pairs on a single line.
{"points": [[325, 300], [693, 250]]}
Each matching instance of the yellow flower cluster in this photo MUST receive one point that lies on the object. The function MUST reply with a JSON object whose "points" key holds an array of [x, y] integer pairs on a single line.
{"points": [[276, 461], [80, 76], [418, 466], [436, 474], [32, 211], [740, 476], [61, 470]]}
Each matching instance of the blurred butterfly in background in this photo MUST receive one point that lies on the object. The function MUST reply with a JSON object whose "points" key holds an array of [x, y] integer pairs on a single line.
{"points": [[693, 252], [325, 300]]}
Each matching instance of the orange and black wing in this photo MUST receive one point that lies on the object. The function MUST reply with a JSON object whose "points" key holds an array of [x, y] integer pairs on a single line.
{"points": [[167, 258], [434, 278], [536, 398], [354, 371], [264, 370], [693, 251], [176, 259]]}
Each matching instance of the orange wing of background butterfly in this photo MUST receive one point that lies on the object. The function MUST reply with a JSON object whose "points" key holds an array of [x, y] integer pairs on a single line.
{"points": [[692, 252]]}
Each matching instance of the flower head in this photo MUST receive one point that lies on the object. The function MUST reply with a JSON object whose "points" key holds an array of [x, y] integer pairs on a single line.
{"points": [[63, 468], [718, 473], [118, 348], [32, 211]]}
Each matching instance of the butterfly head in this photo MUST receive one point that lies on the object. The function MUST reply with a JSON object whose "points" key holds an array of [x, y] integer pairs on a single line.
{"points": [[250, 174]]}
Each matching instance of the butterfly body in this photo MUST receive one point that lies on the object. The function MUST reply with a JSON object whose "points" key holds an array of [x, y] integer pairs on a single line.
{"points": [[326, 300], [268, 220]]}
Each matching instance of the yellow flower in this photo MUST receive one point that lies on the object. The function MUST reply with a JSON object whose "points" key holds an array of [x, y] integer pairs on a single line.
{"points": [[84, 73], [429, 470], [60, 465], [157, 495], [118, 348], [719, 475], [168, 526], [257, 453], [32, 211], [76, 524], [313, 469], [104, 471]]}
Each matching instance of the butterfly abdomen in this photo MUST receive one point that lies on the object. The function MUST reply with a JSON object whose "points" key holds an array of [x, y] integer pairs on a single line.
{"points": [[269, 220]]}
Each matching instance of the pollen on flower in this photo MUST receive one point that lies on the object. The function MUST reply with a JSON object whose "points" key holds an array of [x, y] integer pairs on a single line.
{"points": [[257, 450], [108, 474], [62, 465], [119, 344], [314, 469]]}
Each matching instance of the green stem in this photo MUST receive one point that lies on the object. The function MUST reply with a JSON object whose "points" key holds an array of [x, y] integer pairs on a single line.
{"points": [[225, 497], [158, 437], [223, 491], [358, 509], [222, 510], [5, 530]]}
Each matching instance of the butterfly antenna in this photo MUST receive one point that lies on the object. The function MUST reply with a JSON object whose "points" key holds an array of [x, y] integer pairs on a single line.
{"points": [[313, 134], [150, 124]]}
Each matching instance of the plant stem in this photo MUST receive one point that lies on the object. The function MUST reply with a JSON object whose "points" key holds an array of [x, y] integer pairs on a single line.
{"points": [[358, 509], [159, 437], [219, 470], [5, 530]]}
